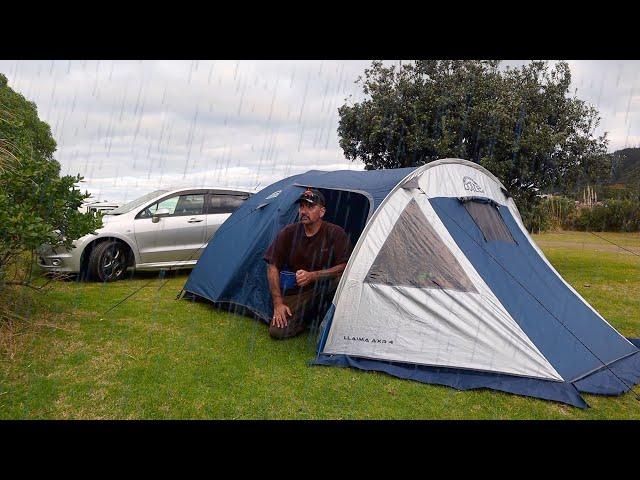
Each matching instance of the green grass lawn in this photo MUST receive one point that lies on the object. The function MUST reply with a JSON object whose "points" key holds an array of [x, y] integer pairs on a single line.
{"points": [[155, 357]]}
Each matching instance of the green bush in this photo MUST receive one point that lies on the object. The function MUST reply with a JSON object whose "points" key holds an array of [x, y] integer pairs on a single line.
{"points": [[611, 215], [37, 205], [552, 213], [561, 213]]}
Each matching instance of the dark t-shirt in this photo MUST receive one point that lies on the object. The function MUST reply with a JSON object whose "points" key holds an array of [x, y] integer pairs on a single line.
{"points": [[292, 250]]}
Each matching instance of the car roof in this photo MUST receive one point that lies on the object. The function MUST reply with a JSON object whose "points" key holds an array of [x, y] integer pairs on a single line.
{"points": [[211, 188]]}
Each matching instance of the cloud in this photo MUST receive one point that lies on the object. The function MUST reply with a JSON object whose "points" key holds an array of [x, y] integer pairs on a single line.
{"points": [[131, 126]]}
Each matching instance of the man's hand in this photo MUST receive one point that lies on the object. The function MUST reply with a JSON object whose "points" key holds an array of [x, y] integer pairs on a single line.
{"points": [[304, 278], [280, 313]]}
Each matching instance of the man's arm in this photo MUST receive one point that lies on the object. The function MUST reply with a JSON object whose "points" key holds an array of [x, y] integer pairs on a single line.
{"points": [[280, 310], [273, 275], [304, 278], [335, 271]]}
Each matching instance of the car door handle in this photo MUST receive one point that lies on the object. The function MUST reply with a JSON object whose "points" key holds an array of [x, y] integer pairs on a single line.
{"points": [[195, 220]]}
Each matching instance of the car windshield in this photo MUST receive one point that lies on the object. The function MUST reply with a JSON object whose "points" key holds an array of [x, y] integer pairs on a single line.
{"points": [[127, 207]]}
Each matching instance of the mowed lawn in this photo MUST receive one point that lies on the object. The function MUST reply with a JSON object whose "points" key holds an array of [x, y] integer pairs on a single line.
{"points": [[154, 357]]}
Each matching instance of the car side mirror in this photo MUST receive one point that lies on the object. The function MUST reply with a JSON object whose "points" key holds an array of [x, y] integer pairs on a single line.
{"points": [[162, 212]]}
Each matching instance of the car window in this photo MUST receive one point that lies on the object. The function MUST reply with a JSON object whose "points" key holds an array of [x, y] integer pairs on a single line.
{"points": [[225, 203], [127, 207], [192, 204], [178, 205]]}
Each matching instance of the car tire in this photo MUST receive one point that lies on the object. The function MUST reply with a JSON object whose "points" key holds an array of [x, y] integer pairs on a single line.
{"points": [[108, 261]]}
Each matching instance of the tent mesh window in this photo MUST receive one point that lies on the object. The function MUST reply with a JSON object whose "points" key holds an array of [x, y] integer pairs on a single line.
{"points": [[488, 219], [413, 255]]}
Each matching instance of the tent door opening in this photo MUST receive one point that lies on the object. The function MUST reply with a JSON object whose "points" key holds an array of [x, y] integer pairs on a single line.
{"points": [[348, 209]]}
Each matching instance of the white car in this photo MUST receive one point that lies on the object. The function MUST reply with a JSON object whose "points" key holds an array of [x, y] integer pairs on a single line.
{"points": [[98, 206], [165, 229]]}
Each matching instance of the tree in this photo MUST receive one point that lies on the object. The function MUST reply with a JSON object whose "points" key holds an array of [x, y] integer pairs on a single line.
{"points": [[37, 205], [519, 123]]}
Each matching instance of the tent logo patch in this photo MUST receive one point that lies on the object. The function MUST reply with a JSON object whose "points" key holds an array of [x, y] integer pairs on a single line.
{"points": [[471, 185], [274, 194]]}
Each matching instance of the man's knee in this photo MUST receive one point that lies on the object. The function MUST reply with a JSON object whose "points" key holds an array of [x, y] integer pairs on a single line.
{"points": [[279, 333]]}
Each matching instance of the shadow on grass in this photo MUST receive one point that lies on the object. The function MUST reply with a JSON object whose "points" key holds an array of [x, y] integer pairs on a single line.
{"points": [[305, 342], [131, 275]]}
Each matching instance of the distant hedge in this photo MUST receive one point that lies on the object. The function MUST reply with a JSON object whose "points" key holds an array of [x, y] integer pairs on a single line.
{"points": [[612, 215]]}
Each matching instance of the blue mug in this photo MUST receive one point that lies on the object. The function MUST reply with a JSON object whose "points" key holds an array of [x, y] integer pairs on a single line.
{"points": [[287, 280]]}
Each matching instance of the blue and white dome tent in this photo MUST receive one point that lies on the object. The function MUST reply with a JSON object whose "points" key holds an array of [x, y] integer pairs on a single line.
{"points": [[444, 285]]}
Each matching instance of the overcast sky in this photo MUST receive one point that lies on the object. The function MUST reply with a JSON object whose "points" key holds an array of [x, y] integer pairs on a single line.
{"points": [[130, 127]]}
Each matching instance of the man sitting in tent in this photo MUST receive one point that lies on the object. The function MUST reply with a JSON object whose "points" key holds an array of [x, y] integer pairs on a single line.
{"points": [[317, 252]]}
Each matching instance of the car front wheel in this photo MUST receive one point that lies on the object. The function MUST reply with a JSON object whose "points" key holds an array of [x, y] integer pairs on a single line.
{"points": [[108, 261]]}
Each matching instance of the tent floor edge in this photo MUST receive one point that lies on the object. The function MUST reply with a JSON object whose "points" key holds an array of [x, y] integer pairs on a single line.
{"points": [[617, 378], [562, 392]]}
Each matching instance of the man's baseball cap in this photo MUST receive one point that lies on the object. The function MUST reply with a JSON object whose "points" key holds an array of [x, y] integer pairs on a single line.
{"points": [[312, 197]]}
